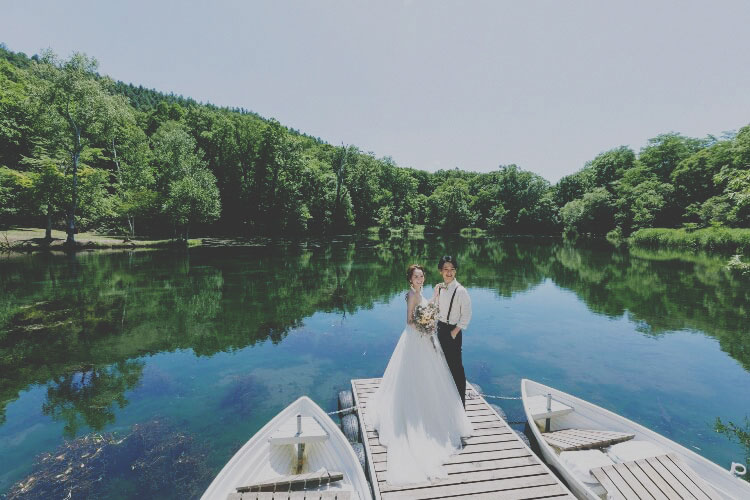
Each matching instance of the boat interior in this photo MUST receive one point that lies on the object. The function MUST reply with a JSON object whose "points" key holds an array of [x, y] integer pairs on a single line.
{"points": [[612, 463]]}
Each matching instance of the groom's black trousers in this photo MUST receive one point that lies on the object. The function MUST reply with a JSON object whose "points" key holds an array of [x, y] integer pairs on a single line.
{"points": [[452, 350]]}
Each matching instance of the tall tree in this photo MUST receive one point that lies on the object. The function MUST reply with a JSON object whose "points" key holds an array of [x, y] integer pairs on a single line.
{"points": [[362, 182], [397, 196], [193, 198], [450, 206], [609, 166], [71, 90], [339, 165], [15, 116], [664, 152], [128, 148], [187, 187]]}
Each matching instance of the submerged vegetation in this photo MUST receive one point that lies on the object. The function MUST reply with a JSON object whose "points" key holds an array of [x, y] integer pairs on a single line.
{"points": [[153, 460], [81, 152]]}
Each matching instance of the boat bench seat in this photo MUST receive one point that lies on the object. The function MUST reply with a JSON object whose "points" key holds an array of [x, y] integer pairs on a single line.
{"points": [[538, 407], [294, 482], [663, 476], [584, 439], [312, 432], [293, 495]]}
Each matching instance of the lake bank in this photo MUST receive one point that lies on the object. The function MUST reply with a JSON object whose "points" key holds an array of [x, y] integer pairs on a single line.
{"points": [[717, 239], [26, 240]]}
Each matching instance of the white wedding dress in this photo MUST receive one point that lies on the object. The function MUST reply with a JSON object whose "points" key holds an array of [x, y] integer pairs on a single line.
{"points": [[417, 411]]}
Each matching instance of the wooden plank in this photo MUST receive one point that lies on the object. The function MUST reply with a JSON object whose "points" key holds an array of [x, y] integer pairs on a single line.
{"points": [[635, 485], [367, 381], [647, 483], [484, 475], [625, 490], [516, 467], [293, 482], [481, 429], [470, 488], [475, 457], [473, 412], [379, 451], [680, 476], [694, 477], [466, 450], [482, 467], [669, 478], [470, 407], [581, 439], [656, 478], [612, 490], [371, 468], [293, 495], [664, 477], [492, 438], [489, 429], [555, 491]]}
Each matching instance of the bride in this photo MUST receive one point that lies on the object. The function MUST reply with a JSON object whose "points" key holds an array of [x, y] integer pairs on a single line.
{"points": [[416, 410]]}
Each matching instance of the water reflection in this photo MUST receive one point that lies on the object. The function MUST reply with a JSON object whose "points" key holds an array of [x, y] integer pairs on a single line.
{"points": [[88, 396], [77, 323]]}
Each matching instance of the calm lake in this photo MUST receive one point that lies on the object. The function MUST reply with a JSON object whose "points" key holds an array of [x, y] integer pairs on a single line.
{"points": [[184, 355]]}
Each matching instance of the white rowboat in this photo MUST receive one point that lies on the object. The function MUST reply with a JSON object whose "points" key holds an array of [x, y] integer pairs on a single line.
{"points": [[603, 455], [270, 457]]}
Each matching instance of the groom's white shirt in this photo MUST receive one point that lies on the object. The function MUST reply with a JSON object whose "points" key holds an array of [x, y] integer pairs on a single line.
{"points": [[461, 312]]}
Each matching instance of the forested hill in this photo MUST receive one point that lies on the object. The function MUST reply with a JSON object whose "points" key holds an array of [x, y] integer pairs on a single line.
{"points": [[80, 151]]}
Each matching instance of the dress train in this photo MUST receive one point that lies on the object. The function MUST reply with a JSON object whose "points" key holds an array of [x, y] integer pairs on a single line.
{"points": [[417, 411]]}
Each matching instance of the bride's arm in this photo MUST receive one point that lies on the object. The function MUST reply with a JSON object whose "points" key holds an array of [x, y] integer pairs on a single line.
{"points": [[411, 303], [435, 294]]}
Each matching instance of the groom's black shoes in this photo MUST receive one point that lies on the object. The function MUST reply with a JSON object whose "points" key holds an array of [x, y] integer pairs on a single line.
{"points": [[452, 350]]}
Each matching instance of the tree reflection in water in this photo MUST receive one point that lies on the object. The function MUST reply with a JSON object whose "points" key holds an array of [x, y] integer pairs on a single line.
{"points": [[80, 324]]}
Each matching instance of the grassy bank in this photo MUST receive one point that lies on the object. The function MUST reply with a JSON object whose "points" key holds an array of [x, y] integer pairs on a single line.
{"points": [[30, 239], [723, 239]]}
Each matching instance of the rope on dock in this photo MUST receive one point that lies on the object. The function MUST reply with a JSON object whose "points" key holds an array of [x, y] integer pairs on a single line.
{"points": [[342, 410], [495, 397]]}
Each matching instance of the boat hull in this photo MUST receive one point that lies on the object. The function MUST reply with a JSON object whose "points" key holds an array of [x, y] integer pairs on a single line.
{"points": [[258, 460], [586, 415]]}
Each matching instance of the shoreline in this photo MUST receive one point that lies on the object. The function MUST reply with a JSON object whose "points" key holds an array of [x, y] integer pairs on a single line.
{"points": [[722, 241]]}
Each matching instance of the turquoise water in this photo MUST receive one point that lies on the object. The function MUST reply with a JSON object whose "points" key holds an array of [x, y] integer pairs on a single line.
{"points": [[214, 342]]}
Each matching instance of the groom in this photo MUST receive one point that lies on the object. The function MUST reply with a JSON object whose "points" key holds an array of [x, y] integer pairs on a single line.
{"points": [[453, 317]]}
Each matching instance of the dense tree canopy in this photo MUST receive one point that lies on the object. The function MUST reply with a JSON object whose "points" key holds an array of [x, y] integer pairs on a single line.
{"points": [[80, 151]]}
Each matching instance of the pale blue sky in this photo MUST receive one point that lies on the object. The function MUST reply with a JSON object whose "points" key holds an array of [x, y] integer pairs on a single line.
{"points": [[544, 84]]}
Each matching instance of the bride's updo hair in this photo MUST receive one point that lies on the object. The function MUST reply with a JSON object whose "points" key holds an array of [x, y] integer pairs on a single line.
{"points": [[410, 271]]}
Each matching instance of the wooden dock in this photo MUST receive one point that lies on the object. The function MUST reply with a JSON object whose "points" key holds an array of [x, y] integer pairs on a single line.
{"points": [[494, 463]]}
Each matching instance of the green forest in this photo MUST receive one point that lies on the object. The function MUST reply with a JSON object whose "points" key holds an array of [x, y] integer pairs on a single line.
{"points": [[81, 152]]}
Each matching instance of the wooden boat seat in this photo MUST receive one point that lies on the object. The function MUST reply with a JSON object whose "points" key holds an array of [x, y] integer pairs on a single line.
{"points": [[538, 407], [293, 495], [584, 439], [289, 433], [294, 482], [664, 476]]}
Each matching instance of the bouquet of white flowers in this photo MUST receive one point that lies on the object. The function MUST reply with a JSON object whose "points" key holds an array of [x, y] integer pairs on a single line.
{"points": [[425, 318]]}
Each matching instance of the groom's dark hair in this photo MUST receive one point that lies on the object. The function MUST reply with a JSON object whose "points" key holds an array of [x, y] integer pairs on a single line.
{"points": [[447, 258]]}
